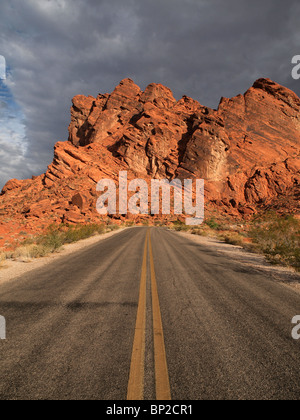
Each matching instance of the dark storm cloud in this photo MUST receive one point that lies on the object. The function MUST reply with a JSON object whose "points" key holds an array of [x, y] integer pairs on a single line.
{"points": [[203, 48]]}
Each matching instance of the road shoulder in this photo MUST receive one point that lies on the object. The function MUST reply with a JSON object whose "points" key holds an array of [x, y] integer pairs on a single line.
{"points": [[12, 269], [257, 262]]}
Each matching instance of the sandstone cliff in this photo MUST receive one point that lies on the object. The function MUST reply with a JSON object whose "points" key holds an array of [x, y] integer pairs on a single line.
{"points": [[247, 151]]}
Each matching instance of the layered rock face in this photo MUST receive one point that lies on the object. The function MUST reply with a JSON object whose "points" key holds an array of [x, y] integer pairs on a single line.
{"points": [[247, 151]]}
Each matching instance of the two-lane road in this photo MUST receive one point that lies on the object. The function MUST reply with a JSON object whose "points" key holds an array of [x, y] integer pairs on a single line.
{"points": [[148, 312]]}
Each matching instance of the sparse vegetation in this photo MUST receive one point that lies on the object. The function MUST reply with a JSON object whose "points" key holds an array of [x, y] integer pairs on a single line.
{"points": [[278, 237], [212, 224], [55, 237], [129, 223], [112, 227], [179, 226], [234, 238]]}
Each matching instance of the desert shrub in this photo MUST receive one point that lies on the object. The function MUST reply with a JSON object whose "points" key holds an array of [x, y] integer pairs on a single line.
{"points": [[179, 226], [278, 237], [76, 233], [203, 232], [212, 224], [54, 238], [234, 239], [26, 252], [182, 228], [199, 231], [112, 227]]}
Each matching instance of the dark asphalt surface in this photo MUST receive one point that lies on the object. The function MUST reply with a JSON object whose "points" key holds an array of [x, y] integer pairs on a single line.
{"points": [[70, 325]]}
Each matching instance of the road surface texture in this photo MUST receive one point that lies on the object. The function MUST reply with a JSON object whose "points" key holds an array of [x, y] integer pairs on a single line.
{"points": [[149, 314]]}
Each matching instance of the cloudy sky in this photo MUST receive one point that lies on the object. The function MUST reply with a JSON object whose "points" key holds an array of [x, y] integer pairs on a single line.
{"points": [[55, 49]]}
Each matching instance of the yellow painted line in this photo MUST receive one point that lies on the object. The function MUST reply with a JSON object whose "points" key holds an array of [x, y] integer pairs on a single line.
{"points": [[163, 391], [137, 369]]}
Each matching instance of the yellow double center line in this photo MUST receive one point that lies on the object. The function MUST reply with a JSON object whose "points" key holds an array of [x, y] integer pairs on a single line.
{"points": [[136, 378], [137, 369]]}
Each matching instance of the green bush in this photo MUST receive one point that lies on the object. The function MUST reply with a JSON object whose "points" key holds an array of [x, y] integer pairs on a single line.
{"points": [[76, 233], [278, 237], [52, 240], [212, 223], [179, 226]]}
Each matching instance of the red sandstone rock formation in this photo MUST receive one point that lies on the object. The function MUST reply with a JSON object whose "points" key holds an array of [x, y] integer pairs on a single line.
{"points": [[247, 151]]}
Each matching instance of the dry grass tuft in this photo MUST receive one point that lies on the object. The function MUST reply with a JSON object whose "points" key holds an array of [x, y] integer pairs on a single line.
{"points": [[53, 240], [278, 237]]}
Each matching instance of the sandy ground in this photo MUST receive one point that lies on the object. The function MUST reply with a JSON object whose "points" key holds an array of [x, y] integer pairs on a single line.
{"points": [[284, 275], [10, 269]]}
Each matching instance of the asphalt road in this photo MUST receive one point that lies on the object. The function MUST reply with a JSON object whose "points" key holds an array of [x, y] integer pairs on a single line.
{"points": [[92, 325]]}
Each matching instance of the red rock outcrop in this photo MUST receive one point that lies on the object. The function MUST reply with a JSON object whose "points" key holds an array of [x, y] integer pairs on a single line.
{"points": [[247, 151]]}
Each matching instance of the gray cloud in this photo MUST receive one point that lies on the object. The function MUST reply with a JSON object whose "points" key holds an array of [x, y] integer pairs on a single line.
{"points": [[203, 48]]}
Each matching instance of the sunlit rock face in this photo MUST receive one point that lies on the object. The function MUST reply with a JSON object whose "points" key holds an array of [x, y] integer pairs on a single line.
{"points": [[247, 151]]}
